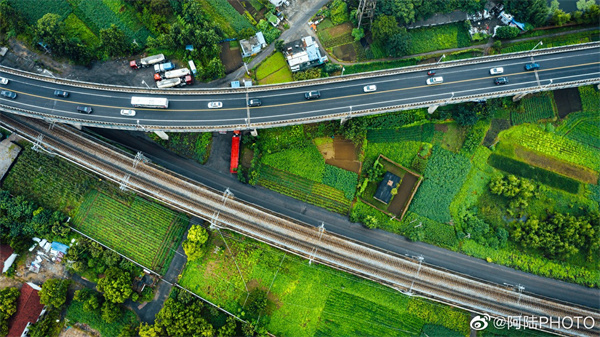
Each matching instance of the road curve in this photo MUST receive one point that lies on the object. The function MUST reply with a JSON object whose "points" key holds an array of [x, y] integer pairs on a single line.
{"points": [[285, 103]]}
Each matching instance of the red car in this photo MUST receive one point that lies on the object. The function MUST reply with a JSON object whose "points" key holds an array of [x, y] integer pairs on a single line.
{"points": [[431, 73]]}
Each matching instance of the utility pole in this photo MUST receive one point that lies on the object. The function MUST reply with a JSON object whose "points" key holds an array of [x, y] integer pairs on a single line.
{"points": [[420, 259]]}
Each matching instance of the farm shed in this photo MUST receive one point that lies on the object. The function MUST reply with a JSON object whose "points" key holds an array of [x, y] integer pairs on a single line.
{"points": [[384, 190]]}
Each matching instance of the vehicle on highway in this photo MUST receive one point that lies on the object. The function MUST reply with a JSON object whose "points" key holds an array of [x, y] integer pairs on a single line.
{"points": [[150, 102], [215, 105], [312, 95], [254, 102], [8, 94], [501, 80], [84, 109], [370, 88], [532, 66], [431, 73], [3, 80], [435, 80], [61, 93], [127, 112], [496, 71]]}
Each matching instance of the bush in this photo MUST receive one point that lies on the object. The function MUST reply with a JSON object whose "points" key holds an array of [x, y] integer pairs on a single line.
{"points": [[341, 179], [444, 176], [507, 32], [535, 173], [339, 12]]}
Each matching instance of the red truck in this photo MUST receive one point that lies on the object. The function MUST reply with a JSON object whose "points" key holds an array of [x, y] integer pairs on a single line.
{"points": [[235, 151]]}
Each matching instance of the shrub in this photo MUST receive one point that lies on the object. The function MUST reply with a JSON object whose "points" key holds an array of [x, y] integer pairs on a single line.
{"points": [[341, 179], [339, 12], [507, 32]]}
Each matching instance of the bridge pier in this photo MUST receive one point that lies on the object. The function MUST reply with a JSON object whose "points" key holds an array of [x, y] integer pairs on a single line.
{"points": [[76, 126], [518, 97], [254, 133], [162, 135], [432, 109]]}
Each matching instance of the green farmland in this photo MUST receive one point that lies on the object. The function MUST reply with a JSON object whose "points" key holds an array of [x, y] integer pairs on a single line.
{"points": [[143, 231]]}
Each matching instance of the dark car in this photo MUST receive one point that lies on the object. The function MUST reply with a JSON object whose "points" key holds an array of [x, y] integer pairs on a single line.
{"points": [[312, 95], [431, 73], [501, 80], [532, 66], [254, 102], [8, 94], [84, 109], [60, 93]]}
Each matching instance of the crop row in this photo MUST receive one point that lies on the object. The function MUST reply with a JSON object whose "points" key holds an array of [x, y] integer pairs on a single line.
{"points": [[587, 133], [394, 135], [143, 231], [33, 10], [340, 319], [536, 108], [303, 189], [560, 147]]}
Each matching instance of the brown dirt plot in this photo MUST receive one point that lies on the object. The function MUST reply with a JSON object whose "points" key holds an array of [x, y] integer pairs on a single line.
{"points": [[567, 101], [232, 58], [551, 164]]}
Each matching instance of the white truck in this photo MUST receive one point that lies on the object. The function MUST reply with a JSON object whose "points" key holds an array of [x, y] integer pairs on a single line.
{"points": [[177, 73], [147, 61], [169, 83]]}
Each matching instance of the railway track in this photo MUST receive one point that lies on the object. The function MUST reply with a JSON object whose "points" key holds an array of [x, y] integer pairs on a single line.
{"points": [[407, 275]]}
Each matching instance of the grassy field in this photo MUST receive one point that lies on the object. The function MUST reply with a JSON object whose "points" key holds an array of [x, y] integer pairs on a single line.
{"points": [[194, 145], [225, 16], [549, 42], [311, 300], [76, 314], [75, 27], [49, 181], [282, 75], [428, 39], [270, 65], [143, 231], [32, 11]]}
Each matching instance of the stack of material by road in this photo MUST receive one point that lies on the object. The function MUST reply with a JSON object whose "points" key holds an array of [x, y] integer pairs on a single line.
{"points": [[8, 153]]}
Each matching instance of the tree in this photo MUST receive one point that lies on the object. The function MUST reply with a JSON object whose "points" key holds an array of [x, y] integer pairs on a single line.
{"points": [[257, 301], [193, 246], [214, 69], [399, 44], [113, 41], [358, 33], [228, 330], [49, 29], [464, 115], [111, 311], [116, 285], [147, 330], [384, 27], [531, 11], [179, 319], [8, 306], [54, 292], [584, 5], [47, 325], [507, 32], [554, 4], [339, 12], [279, 45]]}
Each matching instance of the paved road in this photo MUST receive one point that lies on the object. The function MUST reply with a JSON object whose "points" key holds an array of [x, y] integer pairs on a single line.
{"points": [[289, 104], [337, 223]]}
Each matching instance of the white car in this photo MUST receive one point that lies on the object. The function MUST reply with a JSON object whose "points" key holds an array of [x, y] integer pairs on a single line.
{"points": [[127, 112], [370, 88], [435, 80], [496, 71], [215, 105], [3, 80]]}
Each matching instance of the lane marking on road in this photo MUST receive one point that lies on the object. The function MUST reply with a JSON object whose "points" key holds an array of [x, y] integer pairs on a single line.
{"points": [[302, 102]]}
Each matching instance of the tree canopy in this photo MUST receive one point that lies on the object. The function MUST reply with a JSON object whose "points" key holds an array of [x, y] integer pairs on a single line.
{"points": [[534, 12], [54, 292], [116, 285], [193, 246]]}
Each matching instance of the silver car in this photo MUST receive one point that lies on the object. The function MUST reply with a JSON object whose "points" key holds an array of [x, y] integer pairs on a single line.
{"points": [[435, 80], [127, 112], [3, 80], [215, 105], [496, 71], [370, 88]]}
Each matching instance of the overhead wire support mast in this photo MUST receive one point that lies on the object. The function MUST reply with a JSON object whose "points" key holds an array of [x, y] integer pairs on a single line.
{"points": [[313, 254]]}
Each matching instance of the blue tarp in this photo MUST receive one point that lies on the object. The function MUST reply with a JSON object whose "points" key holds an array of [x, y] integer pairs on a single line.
{"points": [[61, 247], [189, 47]]}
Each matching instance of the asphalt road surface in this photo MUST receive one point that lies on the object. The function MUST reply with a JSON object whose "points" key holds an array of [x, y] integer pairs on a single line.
{"points": [[286, 104], [477, 268]]}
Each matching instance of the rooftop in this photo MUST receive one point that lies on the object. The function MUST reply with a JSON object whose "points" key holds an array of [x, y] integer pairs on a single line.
{"points": [[28, 310], [384, 190]]}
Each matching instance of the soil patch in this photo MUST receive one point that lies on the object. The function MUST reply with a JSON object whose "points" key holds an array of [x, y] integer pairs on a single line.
{"points": [[441, 127], [497, 126], [567, 101], [554, 165], [79, 330], [231, 58], [344, 154], [340, 29], [345, 52], [404, 191], [237, 5], [247, 156]]}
